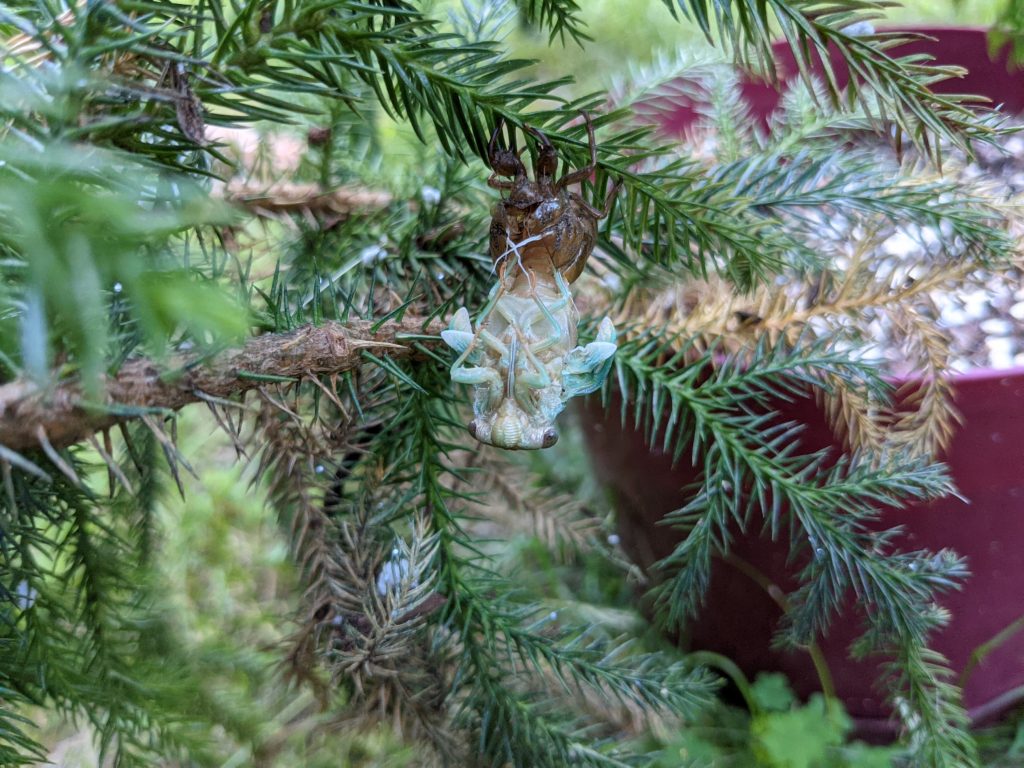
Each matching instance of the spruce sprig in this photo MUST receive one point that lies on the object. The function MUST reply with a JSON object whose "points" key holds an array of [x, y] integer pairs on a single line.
{"points": [[363, 466]]}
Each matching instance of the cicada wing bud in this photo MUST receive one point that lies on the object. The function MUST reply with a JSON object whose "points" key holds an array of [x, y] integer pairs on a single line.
{"points": [[588, 358], [584, 369], [457, 340], [459, 334], [606, 331], [460, 321]]}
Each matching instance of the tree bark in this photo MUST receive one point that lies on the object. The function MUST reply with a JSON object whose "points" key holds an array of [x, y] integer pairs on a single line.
{"points": [[31, 415]]}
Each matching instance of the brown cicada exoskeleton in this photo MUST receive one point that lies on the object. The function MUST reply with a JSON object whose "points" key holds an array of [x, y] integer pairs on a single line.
{"points": [[542, 224]]}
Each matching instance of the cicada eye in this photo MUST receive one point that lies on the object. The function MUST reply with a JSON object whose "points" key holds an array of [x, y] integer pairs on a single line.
{"points": [[507, 163], [549, 439]]}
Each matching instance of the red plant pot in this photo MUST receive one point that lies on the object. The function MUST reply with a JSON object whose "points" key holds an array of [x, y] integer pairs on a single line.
{"points": [[986, 459]]}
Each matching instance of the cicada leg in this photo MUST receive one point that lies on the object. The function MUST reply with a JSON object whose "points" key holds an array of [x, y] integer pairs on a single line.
{"points": [[460, 336], [596, 213], [495, 183], [547, 156], [504, 161], [493, 342], [476, 375], [512, 161], [582, 174], [539, 377], [471, 366], [564, 301]]}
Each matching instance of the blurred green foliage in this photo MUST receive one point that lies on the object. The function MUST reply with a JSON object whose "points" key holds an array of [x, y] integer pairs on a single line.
{"points": [[80, 228]]}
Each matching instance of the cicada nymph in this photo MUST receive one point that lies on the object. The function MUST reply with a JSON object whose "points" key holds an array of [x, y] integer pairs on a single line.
{"points": [[521, 354]]}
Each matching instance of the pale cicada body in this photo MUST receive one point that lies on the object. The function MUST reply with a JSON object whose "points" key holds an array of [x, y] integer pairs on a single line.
{"points": [[522, 356]]}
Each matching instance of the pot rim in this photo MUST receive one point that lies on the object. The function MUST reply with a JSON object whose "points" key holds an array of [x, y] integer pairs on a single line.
{"points": [[986, 374]]}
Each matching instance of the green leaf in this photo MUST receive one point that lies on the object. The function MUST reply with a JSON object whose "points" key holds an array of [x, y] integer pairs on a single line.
{"points": [[800, 737], [772, 693]]}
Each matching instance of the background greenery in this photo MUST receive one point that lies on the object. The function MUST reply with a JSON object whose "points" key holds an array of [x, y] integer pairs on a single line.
{"points": [[224, 585]]}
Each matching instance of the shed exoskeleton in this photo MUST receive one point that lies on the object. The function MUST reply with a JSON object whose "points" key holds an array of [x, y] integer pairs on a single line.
{"points": [[542, 223]]}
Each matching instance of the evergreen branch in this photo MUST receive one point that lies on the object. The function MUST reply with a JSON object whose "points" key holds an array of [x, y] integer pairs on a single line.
{"points": [[558, 16], [517, 731], [16, 746], [557, 519], [749, 462], [81, 639], [889, 88], [836, 287], [646, 680], [808, 181], [368, 594], [502, 647], [673, 379], [927, 418], [66, 415], [283, 200], [923, 694]]}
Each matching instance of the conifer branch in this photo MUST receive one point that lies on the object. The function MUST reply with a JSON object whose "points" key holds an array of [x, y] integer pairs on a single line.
{"points": [[557, 16], [283, 199], [406, 614], [65, 415]]}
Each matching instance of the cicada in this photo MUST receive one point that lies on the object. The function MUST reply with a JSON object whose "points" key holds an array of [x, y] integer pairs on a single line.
{"points": [[521, 354]]}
